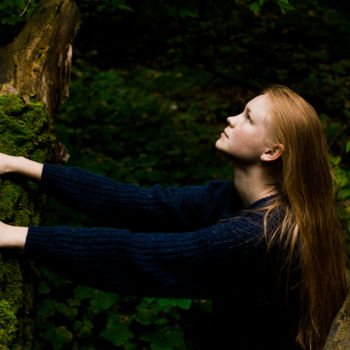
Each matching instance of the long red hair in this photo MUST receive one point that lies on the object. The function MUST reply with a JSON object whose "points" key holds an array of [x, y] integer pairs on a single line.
{"points": [[305, 181]]}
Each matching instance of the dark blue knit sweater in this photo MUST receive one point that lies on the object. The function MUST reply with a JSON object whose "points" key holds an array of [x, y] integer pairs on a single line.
{"points": [[180, 242]]}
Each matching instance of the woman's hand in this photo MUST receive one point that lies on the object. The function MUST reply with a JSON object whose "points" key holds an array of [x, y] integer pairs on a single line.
{"points": [[12, 236]]}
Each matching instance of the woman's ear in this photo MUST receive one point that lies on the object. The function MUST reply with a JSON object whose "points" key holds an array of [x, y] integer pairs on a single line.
{"points": [[272, 153]]}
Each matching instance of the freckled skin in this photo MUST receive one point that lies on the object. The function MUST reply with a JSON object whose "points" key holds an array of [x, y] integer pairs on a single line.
{"points": [[245, 138]]}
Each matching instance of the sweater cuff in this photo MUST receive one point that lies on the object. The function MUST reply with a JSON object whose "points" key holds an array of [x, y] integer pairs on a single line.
{"points": [[35, 239], [50, 171], [41, 242]]}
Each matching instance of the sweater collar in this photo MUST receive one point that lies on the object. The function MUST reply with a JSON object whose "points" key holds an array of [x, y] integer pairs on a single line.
{"points": [[262, 201]]}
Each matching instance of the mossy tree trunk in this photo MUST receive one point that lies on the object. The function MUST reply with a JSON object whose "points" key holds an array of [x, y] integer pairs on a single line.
{"points": [[34, 80]]}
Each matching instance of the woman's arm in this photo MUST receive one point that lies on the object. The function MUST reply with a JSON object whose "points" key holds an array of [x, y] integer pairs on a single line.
{"points": [[139, 209], [20, 165], [127, 205], [12, 236], [149, 264]]}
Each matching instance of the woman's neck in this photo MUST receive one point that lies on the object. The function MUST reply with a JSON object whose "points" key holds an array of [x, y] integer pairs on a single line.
{"points": [[253, 183]]}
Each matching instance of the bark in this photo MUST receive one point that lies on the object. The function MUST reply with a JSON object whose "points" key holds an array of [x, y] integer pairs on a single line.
{"points": [[34, 80], [339, 335], [37, 63]]}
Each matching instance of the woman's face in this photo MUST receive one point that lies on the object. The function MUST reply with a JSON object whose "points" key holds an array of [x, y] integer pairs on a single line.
{"points": [[246, 136]]}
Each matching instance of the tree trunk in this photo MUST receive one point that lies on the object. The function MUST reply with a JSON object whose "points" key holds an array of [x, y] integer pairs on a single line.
{"points": [[34, 80], [339, 335]]}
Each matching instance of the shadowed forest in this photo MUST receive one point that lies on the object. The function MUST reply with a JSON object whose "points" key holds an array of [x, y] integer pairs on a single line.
{"points": [[152, 84]]}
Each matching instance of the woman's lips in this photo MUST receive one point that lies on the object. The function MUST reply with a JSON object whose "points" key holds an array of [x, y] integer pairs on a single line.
{"points": [[224, 133]]}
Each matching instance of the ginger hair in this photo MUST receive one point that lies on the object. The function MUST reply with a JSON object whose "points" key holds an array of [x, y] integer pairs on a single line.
{"points": [[311, 227]]}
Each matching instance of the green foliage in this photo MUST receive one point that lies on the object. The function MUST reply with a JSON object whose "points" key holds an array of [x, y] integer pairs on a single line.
{"points": [[117, 330], [15, 11], [183, 303], [166, 339], [337, 138], [131, 151], [96, 9], [98, 300], [58, 336], [128, 322], [256, 5]]}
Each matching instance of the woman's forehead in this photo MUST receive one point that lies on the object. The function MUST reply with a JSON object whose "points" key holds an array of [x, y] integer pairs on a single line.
{"points": [[259, 107]]}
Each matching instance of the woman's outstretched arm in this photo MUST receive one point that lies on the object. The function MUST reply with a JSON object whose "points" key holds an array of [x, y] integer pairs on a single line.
{"points": [[150, 264], [126, 205], [122, 205], [188, 264], [20, 165]]}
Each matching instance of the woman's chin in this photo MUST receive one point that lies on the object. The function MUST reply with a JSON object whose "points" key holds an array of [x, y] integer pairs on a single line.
{"points": [[218, 145]]}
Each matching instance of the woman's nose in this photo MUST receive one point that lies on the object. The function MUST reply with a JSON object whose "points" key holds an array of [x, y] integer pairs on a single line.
{"points": [[230, 121]]}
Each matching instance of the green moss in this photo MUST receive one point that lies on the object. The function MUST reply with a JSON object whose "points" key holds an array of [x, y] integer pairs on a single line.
{"points": [[8, 323], [11, 282], [39, 155], [9, 195], [24, 130], [10, 104], [11, 296], [24, 127]]}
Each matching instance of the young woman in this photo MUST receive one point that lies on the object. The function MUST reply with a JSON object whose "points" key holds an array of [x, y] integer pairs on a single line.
{"points": [[267, 248]]}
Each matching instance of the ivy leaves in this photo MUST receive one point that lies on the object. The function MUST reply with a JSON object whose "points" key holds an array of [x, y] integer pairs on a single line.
{"points": [[121, 321]]}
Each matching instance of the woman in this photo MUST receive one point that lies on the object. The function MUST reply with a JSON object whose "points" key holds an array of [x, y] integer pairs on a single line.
{"points": [[267, 248]]}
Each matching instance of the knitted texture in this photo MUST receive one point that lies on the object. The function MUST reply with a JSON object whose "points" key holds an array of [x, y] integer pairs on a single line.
{"points": [[192, 241]]}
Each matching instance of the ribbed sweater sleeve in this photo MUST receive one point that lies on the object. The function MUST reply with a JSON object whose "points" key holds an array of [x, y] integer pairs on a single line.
{"points": [[180, 250], [191, 264], [139, 209]]}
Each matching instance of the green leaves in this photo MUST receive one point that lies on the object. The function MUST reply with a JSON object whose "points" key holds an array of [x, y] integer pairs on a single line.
{"points": [[347, 147], [58, 336], [117, 330], [164, 339], [183, 303], [83, 328], [255, 6], [98, 300], [14, 11], [97, 9], [73, 316]]}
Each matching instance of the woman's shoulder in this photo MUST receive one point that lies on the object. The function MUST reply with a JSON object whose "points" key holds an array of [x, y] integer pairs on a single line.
{"points": [[254, 224]]}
